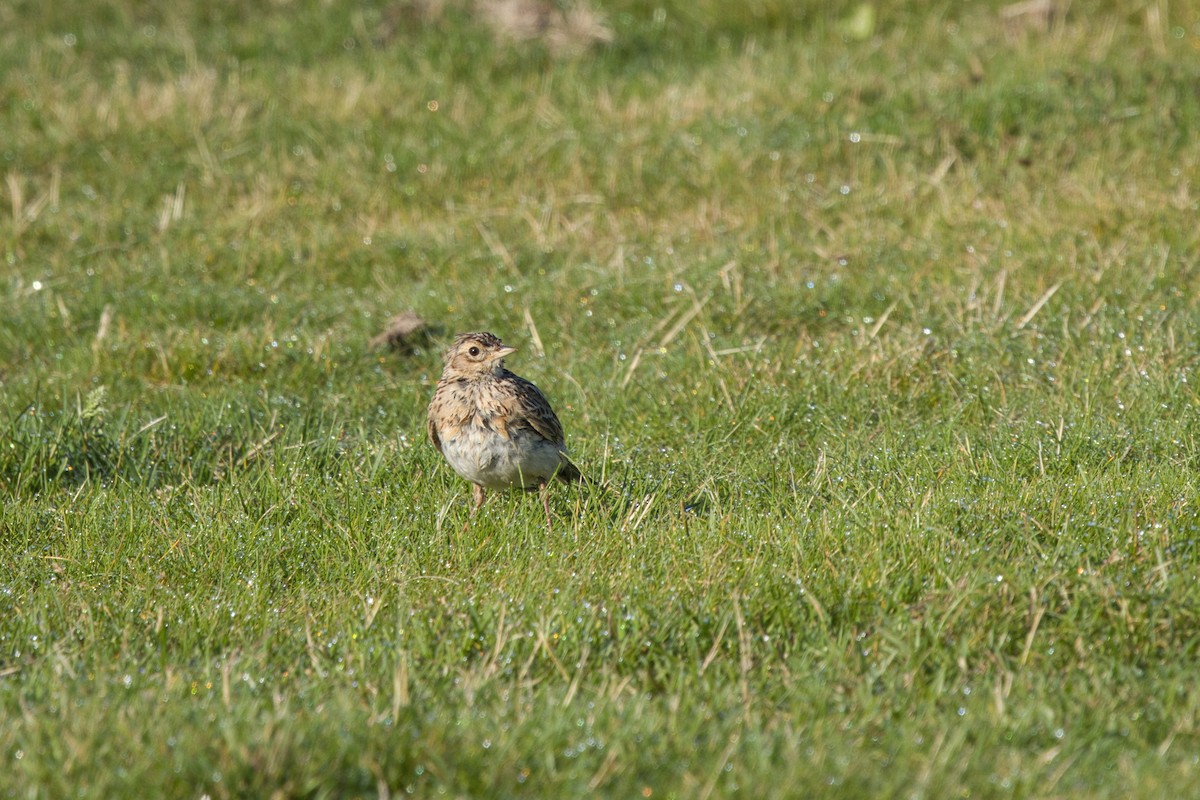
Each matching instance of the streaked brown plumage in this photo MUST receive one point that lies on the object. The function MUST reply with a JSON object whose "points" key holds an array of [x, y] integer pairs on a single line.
{"points": [[494, 428]]}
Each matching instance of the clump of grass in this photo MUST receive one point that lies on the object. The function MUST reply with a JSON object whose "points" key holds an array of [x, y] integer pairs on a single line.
{"points": [[68, 446]]}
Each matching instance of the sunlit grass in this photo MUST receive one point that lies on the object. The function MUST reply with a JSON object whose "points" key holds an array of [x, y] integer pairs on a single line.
{"points": [[878, 327]]}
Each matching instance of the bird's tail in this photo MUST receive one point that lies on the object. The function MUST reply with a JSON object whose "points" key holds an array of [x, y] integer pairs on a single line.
{"points": [[569, 473]]}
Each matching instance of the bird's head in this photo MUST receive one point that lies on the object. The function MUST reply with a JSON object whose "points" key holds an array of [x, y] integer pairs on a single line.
{"points": [[476, 354]]}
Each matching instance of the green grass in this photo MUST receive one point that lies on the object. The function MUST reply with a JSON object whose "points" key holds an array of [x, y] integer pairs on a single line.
{"points": [[884, 345]]}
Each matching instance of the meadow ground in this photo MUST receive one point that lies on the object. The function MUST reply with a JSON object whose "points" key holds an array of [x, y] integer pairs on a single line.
{"points": [[879, 322]]}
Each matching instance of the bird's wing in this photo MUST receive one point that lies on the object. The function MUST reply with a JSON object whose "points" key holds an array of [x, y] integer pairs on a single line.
{"points": [[527, 407], [432, 429], [433, 437]]}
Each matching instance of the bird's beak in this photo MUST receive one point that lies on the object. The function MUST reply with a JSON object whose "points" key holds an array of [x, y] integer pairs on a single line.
{"points": [[504, 351]]}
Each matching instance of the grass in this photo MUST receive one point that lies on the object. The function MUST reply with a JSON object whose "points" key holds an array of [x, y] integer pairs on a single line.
{"points": [[880, 329]]}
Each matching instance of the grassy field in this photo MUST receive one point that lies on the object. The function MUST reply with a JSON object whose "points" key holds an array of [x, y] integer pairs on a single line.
{"points": [[879, 322]]}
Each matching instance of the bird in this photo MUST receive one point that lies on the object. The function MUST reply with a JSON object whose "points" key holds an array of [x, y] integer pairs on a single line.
{"points": [[494, 428]]}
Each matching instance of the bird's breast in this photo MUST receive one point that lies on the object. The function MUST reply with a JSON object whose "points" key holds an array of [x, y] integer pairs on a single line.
{"points": [[494, 460]]}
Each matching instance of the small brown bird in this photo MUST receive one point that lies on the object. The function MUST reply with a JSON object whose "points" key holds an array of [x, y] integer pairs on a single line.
{"points": [[495, 428]]}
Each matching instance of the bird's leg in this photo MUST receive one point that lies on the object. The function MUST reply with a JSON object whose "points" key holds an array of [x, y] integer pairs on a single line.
{"points": [[480, 496], [544, 491]]}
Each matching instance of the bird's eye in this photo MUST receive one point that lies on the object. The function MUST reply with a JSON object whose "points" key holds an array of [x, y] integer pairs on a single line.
{"points": [[474, 351]]}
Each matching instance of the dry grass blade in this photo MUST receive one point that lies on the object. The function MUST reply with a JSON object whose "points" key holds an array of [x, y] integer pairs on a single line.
{"points": [[684, 319], [633, 365], [538, 347], [1036, 307], [16, 196], [874, 331], [496, 247], [106, 316]]}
